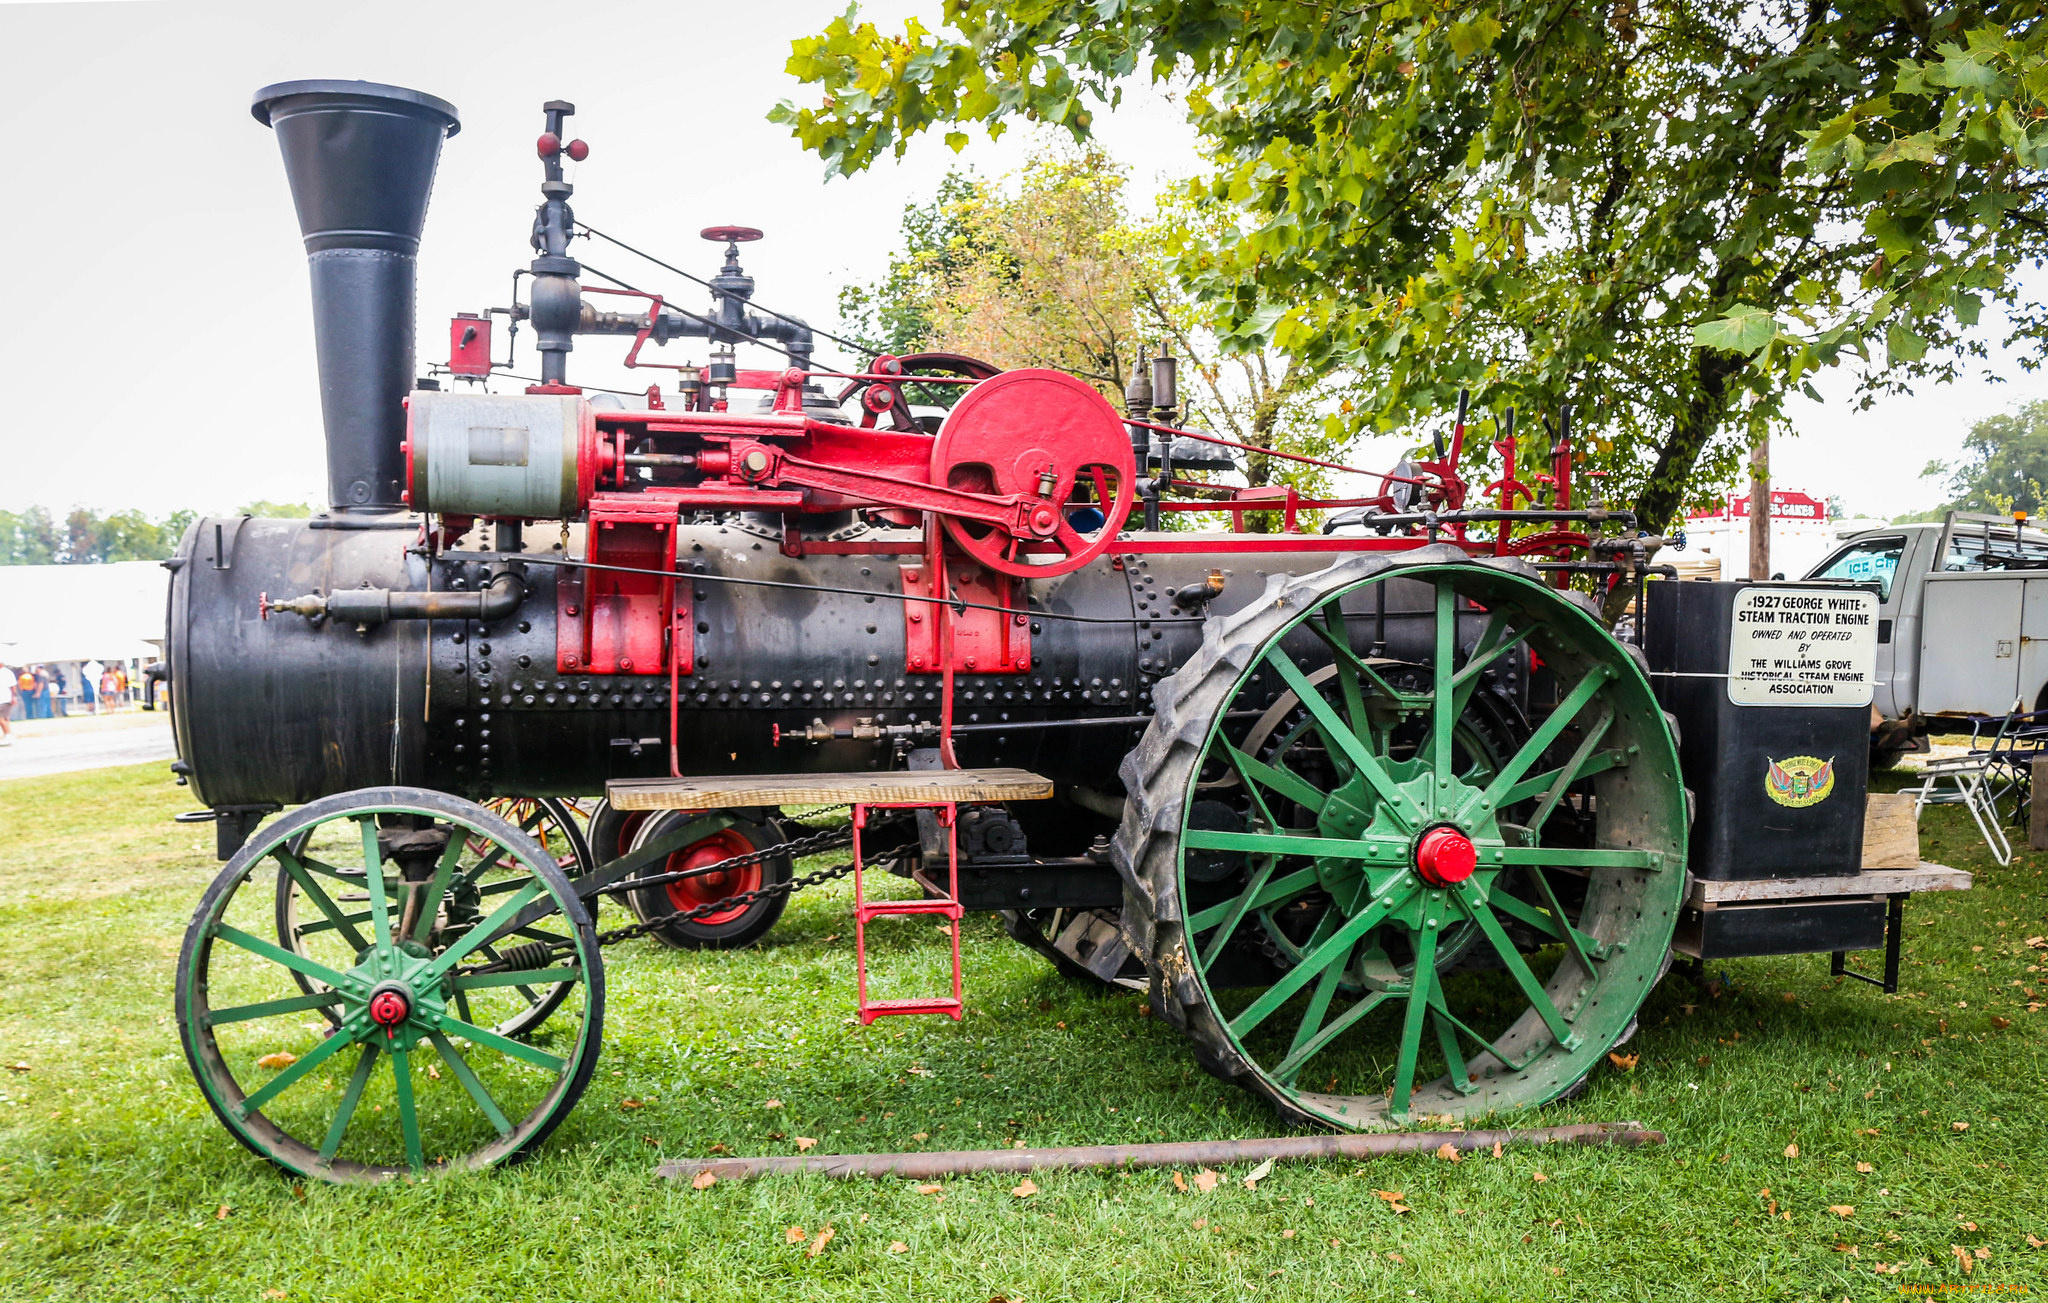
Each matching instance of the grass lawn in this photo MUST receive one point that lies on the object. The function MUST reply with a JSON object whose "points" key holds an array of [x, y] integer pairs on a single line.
{"points": [[1918, 1120]]}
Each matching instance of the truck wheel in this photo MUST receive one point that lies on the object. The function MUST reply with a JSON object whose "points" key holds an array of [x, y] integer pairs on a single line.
{"points": [[723, 836]]}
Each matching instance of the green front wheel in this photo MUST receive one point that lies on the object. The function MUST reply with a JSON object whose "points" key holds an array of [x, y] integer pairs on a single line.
{"points": [[375, 1047]]}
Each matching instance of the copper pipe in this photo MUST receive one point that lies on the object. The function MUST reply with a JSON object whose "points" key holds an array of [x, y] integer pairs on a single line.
{"points": [[963, 1161]]}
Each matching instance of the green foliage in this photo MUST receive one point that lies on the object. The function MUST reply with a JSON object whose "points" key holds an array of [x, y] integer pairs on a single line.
{"points": [[1051, 268], [1544, 202], [33, 538], [2004, 463], [268, 510]]}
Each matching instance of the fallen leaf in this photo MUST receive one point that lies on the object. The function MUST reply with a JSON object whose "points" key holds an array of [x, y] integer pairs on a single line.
{"points": [[1865, 1167], [1968, 1226], [818, 1245], [1395, 1257], [1287, 1235], [1963, 1256], [222, 1215], [1960, 1126], [1867, 1131], [631, 1104], [718, 1148], [1449, 1153], [1200, 1222], [804, 1144], [19, 1067], [1180, 1183], [1849, 1249], [1842, 1209], [1540, 1177], [2033, 1243], [703, 1181], [1885, 1268], [1258, 1174], [279, 1059], [274, 1293], [1496, 1149], [773, 1103], [2038, 943], [1983, 1254], [920, 1071], [796, 1235], [1792, 1151], [1025, 1188], [433, 1073], [920, 1135], [898, 1246], [1626, 1062], [933, 1188], [1205, 1180], [650, 1140], [2001, 1023], [1391, 1196]]}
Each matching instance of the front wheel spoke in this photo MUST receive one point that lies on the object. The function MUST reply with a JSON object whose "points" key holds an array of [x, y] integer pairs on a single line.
{"points": [[296, 1004], [1539, 742], [373, 875], [1340, 736], [276, 954], [1447, 1041], [1275, 892], [1517, 967], [1419, 987], [444, 874], [310, 888], [292, 1075], [464, 1074], [408, 1113], [505, 1045], [1362, 668], [526, 977], [1314, 962], [478, 935], [347, 1109], [526, 992], [1290, 1067]]}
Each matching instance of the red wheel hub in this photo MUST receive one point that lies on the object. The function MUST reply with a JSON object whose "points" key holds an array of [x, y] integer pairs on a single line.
{"points": [[692, 892], [389, 1007], [1445, 857]]}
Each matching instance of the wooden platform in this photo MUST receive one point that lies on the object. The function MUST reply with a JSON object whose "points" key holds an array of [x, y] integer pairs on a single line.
{"points": [[1870, 882], [738, 790]]}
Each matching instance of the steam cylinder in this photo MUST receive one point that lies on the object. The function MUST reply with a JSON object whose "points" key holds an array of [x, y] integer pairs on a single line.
{"points": [[360, 158]]}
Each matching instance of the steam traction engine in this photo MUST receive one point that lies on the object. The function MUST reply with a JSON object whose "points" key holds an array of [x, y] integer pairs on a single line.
{"points": [[1384, 818]]}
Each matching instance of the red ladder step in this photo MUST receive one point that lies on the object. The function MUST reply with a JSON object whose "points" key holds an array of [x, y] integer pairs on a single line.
{"points": [[947, 907]]}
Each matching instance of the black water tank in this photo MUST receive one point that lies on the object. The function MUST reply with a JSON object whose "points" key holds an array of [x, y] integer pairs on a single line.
{"points": [[1770, 684]]}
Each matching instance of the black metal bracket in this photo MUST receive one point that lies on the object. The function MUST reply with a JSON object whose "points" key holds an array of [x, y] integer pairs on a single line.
{"points": [[1894, 940]]}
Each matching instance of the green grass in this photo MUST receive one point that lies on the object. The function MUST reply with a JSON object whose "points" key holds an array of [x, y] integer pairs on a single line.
{"points": [[117, 1183]]}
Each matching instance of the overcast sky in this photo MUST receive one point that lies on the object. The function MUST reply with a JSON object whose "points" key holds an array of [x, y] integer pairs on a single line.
{"points": [[154, 328]]}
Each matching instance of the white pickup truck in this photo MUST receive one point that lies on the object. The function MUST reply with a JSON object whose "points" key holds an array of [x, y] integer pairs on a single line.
{"points": [[1962, 621]]}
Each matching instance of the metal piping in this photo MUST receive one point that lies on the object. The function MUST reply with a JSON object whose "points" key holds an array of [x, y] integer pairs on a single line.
{"points": [[1069, 1158], [371, 606]]}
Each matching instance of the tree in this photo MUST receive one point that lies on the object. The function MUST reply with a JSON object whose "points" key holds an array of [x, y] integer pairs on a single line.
{"points": [[1053, 270], [2004, 463], [33, 538], [1549, 203]]}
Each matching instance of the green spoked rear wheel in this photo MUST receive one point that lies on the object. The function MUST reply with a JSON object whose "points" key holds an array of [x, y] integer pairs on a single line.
{"points": [[1393, 897], [373, 1049]]}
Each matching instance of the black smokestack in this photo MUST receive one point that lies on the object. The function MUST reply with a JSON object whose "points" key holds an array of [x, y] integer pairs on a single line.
{"points": [[360, 158]]}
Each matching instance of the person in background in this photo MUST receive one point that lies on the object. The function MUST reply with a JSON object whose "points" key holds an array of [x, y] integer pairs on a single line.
{"points": [[46, 691], [110, 689], [7, 693], [89, 685], [62, 690]]}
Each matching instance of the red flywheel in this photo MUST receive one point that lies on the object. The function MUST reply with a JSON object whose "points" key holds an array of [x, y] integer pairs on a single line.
{"points": [[1041, 435]]}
